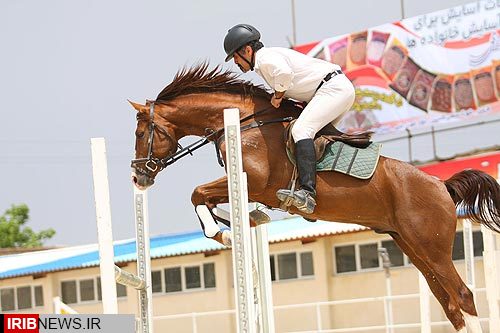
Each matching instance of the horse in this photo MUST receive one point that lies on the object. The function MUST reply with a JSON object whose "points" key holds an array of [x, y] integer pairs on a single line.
{"points": [[417, 210]]}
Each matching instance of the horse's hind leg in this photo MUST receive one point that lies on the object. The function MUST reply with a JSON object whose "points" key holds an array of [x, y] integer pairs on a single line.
{"points": [[450, 307], [432, 244]]}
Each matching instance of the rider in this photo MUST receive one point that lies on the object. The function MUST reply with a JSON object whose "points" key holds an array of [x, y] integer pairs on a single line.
{"points": [[327, 91]]}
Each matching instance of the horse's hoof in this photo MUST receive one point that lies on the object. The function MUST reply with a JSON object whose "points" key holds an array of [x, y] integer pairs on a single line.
{"points": [[259, 217], [226, 238]]}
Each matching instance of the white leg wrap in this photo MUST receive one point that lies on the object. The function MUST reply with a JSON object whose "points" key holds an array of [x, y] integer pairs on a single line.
{"points": [[472, 323], [210, 227], [226, 238]]}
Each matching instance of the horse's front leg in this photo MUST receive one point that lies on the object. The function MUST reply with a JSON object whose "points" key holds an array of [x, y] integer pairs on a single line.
{"points": [[205, 198]]}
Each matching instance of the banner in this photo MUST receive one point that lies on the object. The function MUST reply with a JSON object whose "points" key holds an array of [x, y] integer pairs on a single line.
{"points": [[434, 68]]}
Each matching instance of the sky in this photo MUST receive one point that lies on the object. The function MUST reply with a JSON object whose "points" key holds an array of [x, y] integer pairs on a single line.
{"points": [[67, 69]]}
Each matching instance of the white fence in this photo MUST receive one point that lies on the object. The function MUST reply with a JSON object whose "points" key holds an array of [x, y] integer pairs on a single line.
{"points": [[110, 273]]}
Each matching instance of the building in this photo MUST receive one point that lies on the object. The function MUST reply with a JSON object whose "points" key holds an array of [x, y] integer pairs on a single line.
{"points": [[310, 263]]}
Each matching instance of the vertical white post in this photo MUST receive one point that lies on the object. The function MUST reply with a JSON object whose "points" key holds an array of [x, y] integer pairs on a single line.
{"points": [[491, 278], [265, 292], [143, 260], [104, 230], [491, 263], [241, 240], [425, 309], [470, 279], [388, 304]]}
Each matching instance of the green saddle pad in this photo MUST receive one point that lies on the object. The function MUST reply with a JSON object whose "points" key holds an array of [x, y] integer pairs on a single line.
{"points": [[356, 162]]}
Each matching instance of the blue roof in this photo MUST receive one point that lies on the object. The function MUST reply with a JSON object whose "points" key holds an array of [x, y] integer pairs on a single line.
{"points": [[161, 246]]}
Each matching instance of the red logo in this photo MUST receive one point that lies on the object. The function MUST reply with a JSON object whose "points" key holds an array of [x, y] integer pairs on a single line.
{"points": [[20, 323]]}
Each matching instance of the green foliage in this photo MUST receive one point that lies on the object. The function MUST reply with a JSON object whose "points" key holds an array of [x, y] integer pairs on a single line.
{"points": [[13, 234]]}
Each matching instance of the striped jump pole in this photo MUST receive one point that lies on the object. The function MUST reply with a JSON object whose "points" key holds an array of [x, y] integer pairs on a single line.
{"points": [[254, 310], [110, 273]]}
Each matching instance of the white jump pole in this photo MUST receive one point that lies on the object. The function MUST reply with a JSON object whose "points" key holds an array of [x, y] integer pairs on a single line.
{"points": [[425, 307], [264, 292], [254, 311], [143, 261], [104, 230], [241, 240]]}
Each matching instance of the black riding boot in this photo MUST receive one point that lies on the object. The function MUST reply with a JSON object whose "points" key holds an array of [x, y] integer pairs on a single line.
{"points": [[304, 198]]}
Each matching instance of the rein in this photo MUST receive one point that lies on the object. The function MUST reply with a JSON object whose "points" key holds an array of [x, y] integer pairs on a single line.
{"points": [[153, 164]]}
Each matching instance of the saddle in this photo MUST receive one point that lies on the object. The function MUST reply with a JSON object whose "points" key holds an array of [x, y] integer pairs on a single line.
{"points": [[325, 136]]}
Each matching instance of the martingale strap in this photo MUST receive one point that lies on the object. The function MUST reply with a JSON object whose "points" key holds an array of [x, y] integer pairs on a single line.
{"points": [[252, 125]]}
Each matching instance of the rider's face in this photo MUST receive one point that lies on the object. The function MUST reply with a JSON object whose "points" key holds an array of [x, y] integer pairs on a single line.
{"points": [[246, 52]]}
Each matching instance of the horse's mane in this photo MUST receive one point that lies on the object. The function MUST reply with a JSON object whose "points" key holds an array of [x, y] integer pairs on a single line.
{"points": [[199, 79]]}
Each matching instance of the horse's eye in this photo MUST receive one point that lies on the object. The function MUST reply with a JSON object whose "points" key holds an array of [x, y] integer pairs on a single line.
{"points": [[139, 134]]}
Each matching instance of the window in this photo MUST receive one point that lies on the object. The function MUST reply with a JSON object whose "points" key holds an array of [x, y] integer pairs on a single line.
{"points": [[38, 296], [291, 266], [368, 255], [173, 280], [178, 279], [193, 278], [273, 270], [209, 275], [24, 298], [306, 264], [7, 299], [68, 292], [345, 258], [86, 290], [21, 298], [156, 282], [121, 290], [354, 257], [395, 254], [477, 240], [458, 246], [287, 266]]}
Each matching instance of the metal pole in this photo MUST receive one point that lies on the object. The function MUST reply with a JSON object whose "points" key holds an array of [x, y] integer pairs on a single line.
{"points": [[386, 263], [240, 226], [470, 280], [402, 9], [294, 28], [265, 291], [104, 230], [143, 260], [491, 262]]}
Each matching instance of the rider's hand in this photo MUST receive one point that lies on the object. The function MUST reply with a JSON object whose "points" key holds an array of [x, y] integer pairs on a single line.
{"points": [[276, 102]]}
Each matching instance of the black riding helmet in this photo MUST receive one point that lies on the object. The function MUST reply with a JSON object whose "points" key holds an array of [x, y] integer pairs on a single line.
{"points": [[237, 37]]}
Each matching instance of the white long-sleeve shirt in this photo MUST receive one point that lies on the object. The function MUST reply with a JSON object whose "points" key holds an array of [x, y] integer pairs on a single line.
{"points": [[291, 71]]}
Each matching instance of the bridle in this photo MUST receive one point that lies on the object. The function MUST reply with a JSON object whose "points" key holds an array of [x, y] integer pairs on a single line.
{"points": [[154, 164]]}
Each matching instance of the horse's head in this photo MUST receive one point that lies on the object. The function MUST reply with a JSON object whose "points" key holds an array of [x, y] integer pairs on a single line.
{"points": [[154, 141]]}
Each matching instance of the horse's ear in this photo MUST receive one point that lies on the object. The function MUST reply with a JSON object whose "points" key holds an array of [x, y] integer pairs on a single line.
{"points": [[137, 106]]}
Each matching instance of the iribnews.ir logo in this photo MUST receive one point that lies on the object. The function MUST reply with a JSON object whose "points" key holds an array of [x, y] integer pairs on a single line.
{"points": [[31, 323]]}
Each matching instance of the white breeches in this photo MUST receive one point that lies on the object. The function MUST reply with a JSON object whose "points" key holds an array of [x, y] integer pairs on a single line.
{"points": [[330, 102]]}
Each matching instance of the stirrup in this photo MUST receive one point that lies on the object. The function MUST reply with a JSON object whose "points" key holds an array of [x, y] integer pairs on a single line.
{"points": [[302, 199]]}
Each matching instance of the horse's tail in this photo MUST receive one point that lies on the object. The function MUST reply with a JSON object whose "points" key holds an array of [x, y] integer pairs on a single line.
{"points": [[477, 194]]}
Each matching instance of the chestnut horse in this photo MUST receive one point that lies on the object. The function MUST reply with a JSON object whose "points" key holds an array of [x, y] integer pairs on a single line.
{"points": [[417, 210]]}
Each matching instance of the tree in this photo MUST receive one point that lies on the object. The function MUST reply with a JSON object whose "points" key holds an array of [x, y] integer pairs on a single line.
{"points": [[13, 235]]}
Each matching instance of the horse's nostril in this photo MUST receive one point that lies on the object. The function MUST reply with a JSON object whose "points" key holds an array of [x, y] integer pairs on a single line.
{"points": [[134, 179]]}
